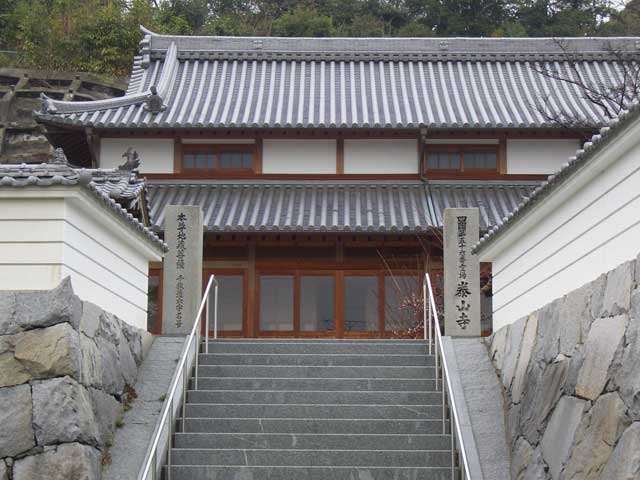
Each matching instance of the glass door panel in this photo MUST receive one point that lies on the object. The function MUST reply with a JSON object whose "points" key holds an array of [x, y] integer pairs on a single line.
{"points": [[317, 303], [276, 302], [230, 302], [361, 303], [402, 302]]}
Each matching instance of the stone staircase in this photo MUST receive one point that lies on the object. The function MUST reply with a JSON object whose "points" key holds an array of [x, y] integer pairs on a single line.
{"points": [[313, 409]]}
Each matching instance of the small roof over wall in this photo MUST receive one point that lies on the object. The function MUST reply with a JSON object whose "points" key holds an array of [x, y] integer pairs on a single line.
{"points": [[119, 190], [409, 207], [555, 181], [398, 83]]}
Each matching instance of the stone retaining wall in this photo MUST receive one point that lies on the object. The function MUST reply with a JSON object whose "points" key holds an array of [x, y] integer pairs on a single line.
{"points": [[64, 368], [571, 378]]}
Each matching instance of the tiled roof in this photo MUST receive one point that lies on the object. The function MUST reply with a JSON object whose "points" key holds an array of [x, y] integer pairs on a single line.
{"points": [[220, 82], [555, 180], [116, 190], [384, 207]]}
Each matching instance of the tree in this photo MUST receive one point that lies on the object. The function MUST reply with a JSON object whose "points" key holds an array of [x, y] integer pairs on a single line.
{"points": [[611, 97], [303, 22]]}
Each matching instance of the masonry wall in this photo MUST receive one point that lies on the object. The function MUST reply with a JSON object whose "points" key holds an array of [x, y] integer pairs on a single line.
{"points": [[571, 378], [65, 368]]}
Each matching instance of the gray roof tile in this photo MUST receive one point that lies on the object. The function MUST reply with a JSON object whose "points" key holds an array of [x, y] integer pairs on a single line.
{"points": [[384, 207], [220, 82]]}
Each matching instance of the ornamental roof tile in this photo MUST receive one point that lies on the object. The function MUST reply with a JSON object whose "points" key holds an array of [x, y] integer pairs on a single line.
{"points": [[117, 190]]}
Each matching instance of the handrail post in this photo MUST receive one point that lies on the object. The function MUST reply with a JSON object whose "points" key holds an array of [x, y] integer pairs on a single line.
{"points": [[444, 408], [195, 383], [430, 328], [170, 439], [184, 395], [206, 325], [437, 366], [215, 310], [453, 451]]}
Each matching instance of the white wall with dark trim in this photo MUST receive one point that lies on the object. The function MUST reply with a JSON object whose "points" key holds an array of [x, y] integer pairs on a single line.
{"points": [[587, 226], [533, 156], [48, 234]]}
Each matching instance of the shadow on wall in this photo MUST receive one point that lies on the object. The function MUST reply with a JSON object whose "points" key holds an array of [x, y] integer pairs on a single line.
{"points": [[571, 378], [66, 367]]}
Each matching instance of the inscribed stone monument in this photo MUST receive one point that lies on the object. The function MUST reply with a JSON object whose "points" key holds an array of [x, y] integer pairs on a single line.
{"points": [[182, 280], [461, 273]]}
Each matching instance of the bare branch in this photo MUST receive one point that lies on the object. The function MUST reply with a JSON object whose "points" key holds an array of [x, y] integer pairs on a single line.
{"points": [[611, 94]]}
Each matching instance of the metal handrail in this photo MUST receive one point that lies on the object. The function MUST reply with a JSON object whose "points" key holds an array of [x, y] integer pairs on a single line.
{"points": [[431, 323], [150, 464]]}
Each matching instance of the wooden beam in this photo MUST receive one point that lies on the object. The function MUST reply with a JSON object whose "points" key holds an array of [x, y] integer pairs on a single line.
{"points": [[340, 156]]}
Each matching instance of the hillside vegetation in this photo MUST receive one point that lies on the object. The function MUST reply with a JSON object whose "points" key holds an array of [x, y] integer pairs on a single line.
{"points": [[101, 36]]}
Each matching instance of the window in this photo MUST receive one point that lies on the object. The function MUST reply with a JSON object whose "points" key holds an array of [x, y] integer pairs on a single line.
{"points": [[361, 303], [230, 302], [317, 303], [402, 302], [220, 158], [462, 158], [276, 302]]}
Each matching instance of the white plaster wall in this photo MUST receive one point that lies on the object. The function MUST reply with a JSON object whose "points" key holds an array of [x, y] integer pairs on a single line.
{"points": [[156, 153], [298, 156], [46, 239], [539, 156], [381, 156], [574, 238]]}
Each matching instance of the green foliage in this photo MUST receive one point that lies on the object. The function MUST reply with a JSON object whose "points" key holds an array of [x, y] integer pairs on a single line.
{"points": [[102, 36], [303, 22]]}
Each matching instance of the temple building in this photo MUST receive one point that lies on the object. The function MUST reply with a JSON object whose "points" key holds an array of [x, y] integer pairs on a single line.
{"points": [[323, 165]]}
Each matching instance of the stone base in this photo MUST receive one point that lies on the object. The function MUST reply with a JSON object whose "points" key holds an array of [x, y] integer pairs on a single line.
{"points": [[571, 378]]}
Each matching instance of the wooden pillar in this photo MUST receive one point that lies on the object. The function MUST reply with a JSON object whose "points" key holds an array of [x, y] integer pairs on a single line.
{"points": [[251, 298]]}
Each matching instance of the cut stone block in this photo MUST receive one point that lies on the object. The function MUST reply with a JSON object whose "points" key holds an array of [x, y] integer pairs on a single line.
{"points": [[559, 435], [603, 341]]}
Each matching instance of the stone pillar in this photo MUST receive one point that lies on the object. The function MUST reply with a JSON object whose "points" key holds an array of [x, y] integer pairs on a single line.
{"points": [[461, 273], [182, 276]]}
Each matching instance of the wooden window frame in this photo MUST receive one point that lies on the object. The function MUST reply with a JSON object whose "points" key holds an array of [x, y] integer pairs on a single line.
{"points": [[339, 284], [461, 149], [218, 148]]}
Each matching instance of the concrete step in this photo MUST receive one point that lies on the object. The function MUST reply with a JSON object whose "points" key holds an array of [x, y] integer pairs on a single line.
{"points": [[326, 347], [293, 371], [308, 441], [314, 397], [317, 359], [313, 411], [205, 472], [311, 457], [315, 425], [332, 384]]}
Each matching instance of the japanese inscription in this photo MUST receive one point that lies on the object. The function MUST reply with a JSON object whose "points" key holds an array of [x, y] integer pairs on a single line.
{"points": [[462, 273], [182, 286], [180, 256]]}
